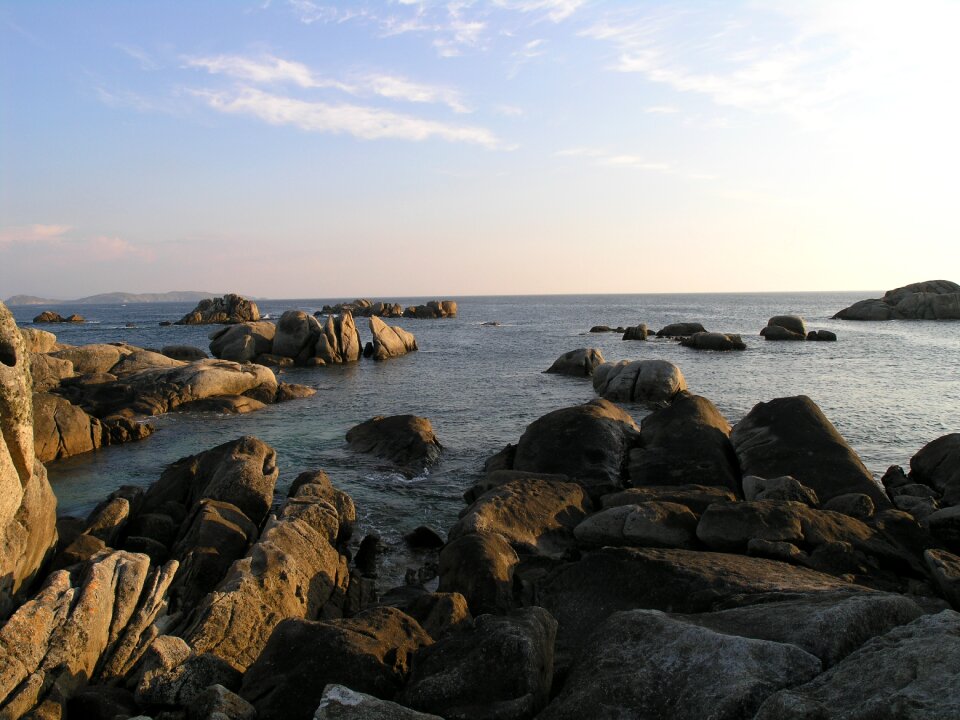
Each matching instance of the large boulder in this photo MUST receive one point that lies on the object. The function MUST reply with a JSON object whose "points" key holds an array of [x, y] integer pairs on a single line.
{"points": [[224, 310], [500, 668], [28, 507], [156, 391], [937, 465], [681, 329], [61, 429], [370, 651], [38, 341], [828, 625], [390, 342], [793, 323], [534, 515], [292, 571], [143, 360], [930, 300], [95, 358], [714, 341], [646, 665], [49, 316], [480, 567], [405, 440], [297, 334], [78, 626], [243, 342], [339, 341], [654, 381], [648, 524], [48, 371], [909, 673], [580, 595], [579, 363], [588, 442], [791, 436], [685, 443]]}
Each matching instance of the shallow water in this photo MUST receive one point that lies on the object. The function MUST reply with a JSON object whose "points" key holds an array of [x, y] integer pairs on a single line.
{"points": [[889, 388]]}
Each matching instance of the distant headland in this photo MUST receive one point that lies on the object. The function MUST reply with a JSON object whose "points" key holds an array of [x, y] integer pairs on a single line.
{"points": [[115, 298]]}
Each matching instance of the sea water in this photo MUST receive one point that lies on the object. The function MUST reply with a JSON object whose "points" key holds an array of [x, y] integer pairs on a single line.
{"points": [[888, 387]]}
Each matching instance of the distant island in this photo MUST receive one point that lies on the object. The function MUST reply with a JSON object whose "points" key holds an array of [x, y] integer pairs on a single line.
{"points": [[115, 298]]}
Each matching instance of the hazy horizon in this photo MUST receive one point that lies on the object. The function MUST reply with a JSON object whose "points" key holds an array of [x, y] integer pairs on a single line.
{"points": [[301, 148]]}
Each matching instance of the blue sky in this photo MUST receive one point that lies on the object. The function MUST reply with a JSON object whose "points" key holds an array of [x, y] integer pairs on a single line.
{"points": [[297, 148]]}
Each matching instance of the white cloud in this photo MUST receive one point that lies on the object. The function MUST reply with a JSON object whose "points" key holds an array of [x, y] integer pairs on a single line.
{"points": [[662, 109], [367, 123], [63, 245], [555, 10], [270, 70], [604, 158]]}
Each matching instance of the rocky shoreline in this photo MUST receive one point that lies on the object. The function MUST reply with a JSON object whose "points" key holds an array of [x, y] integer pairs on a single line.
{"points": [[676, 568]]}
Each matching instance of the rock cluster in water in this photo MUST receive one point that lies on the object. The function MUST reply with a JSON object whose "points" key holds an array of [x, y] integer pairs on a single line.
{"points": [[224, 310], [299, 338], [681, 568], [368, 308], [49, 316], [930, 300]]}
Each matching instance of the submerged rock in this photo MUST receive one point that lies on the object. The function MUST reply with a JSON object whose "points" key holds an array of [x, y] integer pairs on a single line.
{"points": [[405, 440]]}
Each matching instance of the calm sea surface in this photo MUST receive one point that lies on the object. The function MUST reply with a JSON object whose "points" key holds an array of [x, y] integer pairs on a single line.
{"points": [[889, 387]]}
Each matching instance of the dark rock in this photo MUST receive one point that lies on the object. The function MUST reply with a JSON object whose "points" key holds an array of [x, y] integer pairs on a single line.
{"points": [[579, 363], [793, 323], [366, 558], [187, 353], [438, 613], [49, 316], [370, 651], [945, 569], [480, 567], [855, 505], [341, 703], [685, 443], [776, 332], [791, 436], [587, 442], [649, 524], [636, 332], [424, 538], [937, 464], [405, 440], [501, 668], [582, 594], [218, 703], [778, 488], [292, 391], [681, 329], [643, 664], [695, 497], [714, 341], [101, 702], [822, 336], [909, 673]]}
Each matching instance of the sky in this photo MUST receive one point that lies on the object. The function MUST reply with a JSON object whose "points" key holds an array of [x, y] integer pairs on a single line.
{"points": [[302, 148]]}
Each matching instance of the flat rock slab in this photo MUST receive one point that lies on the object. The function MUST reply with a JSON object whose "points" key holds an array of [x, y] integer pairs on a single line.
{"points": [[645, 665], [910, 673]]}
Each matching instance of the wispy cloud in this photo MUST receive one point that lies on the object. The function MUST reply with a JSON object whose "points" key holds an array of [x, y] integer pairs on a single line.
{"points": [[27, 234], [555, 10], [662, 109], [367, 123], [140, 55], [271, 70], [601, 157]]}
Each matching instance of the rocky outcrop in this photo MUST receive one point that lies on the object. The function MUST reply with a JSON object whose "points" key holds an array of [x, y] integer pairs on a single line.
{"points": [[589, 443], [651, 381], [48, 371], [908, 673], [296, 336], [81, 626], [644, 664], [500, 667], [371, 651], [38, 341], [930, 300], [405, 440], [785, 327], [534, 515], [481, 568], [49, 316], [186, 353], [682, 329], [339, 341], [791, 436], [822, 336], [636, 332], [937, 465], [363, 308], [243, 342], [390, 342], [28, 531], [434, 309], [713, 341], [94, 359], [685, 443], [644, 524], [342, 703], [224, 310], [579, 363]]}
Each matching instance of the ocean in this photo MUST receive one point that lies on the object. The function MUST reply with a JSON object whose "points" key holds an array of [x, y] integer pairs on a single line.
{"points": [[888, 387]]}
